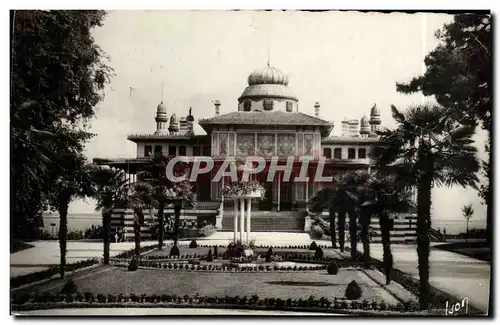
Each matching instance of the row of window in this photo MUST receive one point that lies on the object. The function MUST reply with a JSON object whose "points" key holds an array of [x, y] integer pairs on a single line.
{"points": [[172, 150], [268, 105], [351, 153]]}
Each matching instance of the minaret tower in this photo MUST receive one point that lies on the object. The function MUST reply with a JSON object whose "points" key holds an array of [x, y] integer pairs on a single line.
{"points": [[365, 126], [161, 117], [174, 124], [375, 120]]}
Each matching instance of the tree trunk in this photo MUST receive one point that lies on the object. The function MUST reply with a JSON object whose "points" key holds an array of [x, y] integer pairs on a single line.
{"points": [[365, 237], [467, 232], [161, 227], [333, 234], [353, 234], [385, 230], [137, 233], [423, 226], [342, 214], [63, 234], [106, 229]]}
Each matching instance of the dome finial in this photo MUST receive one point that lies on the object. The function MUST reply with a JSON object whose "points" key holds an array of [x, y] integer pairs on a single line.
{"points": [[162, 91], [268, 55]]}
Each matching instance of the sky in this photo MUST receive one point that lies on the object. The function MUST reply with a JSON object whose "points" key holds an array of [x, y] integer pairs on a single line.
{"points": [[347, 61]]}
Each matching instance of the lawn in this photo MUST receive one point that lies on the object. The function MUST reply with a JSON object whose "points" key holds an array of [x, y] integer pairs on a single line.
{"points": [[116, 280]]}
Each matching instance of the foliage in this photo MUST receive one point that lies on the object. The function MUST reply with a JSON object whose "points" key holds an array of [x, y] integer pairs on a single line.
{"points": [[193, 244], [134, 264], [269, 254], [69, 288], [243, 189], [467, 211], [216, 251], [333, 268], [316, 232], [427, 148], [313, 246], [94, 232], [210, 258], [353, 291], [45, 274], [318, 254], [208, 230], [174, 251], [57, 78]]}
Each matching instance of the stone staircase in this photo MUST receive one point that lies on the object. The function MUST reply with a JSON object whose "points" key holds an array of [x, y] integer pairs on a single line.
{"points": [[269, 221]]}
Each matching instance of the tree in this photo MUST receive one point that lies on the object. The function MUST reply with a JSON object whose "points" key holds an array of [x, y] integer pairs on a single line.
{"points": [[140, 198], [380, 197], [468, 212], [57, 77], [427, 148], [110, 191], [458, 75], [325, 200], [70, 180]]}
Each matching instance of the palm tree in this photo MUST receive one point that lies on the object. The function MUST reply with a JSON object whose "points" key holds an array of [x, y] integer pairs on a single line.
{"points": [[179, 194], [325, 199], [71, 179], [381, 197], [427, 148], [467, 212], [140, 198], [110, 190]]}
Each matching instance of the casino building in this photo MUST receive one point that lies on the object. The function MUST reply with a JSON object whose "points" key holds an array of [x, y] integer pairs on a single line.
{"points": [[267, 123]]}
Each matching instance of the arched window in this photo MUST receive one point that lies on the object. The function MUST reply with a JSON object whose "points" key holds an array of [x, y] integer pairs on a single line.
{"points": [[327, 153], [337, 153], [268, 104], [362, 153], [289, 106], [247, 105]]}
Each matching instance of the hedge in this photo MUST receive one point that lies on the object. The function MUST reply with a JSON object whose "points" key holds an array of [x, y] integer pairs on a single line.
{"points": [[45, 274], [90, 300]]}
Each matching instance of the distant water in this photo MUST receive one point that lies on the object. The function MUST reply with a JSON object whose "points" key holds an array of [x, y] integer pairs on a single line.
{"points": [[82, 221], [76, 221]]}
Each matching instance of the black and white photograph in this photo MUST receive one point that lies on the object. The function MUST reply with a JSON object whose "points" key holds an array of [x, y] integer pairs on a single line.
{"points": [[285, 162]]}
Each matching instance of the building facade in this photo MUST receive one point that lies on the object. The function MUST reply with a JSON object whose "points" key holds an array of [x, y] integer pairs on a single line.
{"points": [[267, 123]]}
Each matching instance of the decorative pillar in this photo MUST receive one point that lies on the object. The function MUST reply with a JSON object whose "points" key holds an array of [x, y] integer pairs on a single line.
{"points": [[279, 191], [235, 220], [249, 211], [242, 218]]}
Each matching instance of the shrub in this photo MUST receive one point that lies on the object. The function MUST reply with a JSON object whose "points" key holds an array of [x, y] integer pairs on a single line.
{"points": [[269, 254], [216, 251], [313, 246], [316, 232], [69, 288], [174, 251], [209, 256], [208, 230], [193, 244], [133, 265], [318, 254], [353, 291]]}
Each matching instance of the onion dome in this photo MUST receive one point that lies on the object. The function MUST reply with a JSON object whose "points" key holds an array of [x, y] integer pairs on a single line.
{"points": [[375, 115], [161, 108], [174, 124], [365, 126], [161, 113], [268, 75]]}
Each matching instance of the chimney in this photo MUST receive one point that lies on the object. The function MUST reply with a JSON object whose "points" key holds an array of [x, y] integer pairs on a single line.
{"points": [[316, 109], [217, 107]]}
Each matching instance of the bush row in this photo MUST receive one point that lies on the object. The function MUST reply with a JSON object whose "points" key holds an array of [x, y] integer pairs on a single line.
{"points": [[312, 302], [267, 246], [226, 268], [131, 252], [45, 274]]}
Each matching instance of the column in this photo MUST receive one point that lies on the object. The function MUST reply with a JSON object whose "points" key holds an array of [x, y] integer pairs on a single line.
{"points": [[249, 211], [242, 218], [279, 191], [307, 190], [235, 220]]}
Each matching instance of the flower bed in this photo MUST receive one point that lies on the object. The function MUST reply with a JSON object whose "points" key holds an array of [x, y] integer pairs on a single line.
{"points": [[52, 271], [89, 300], [244, 189]]}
